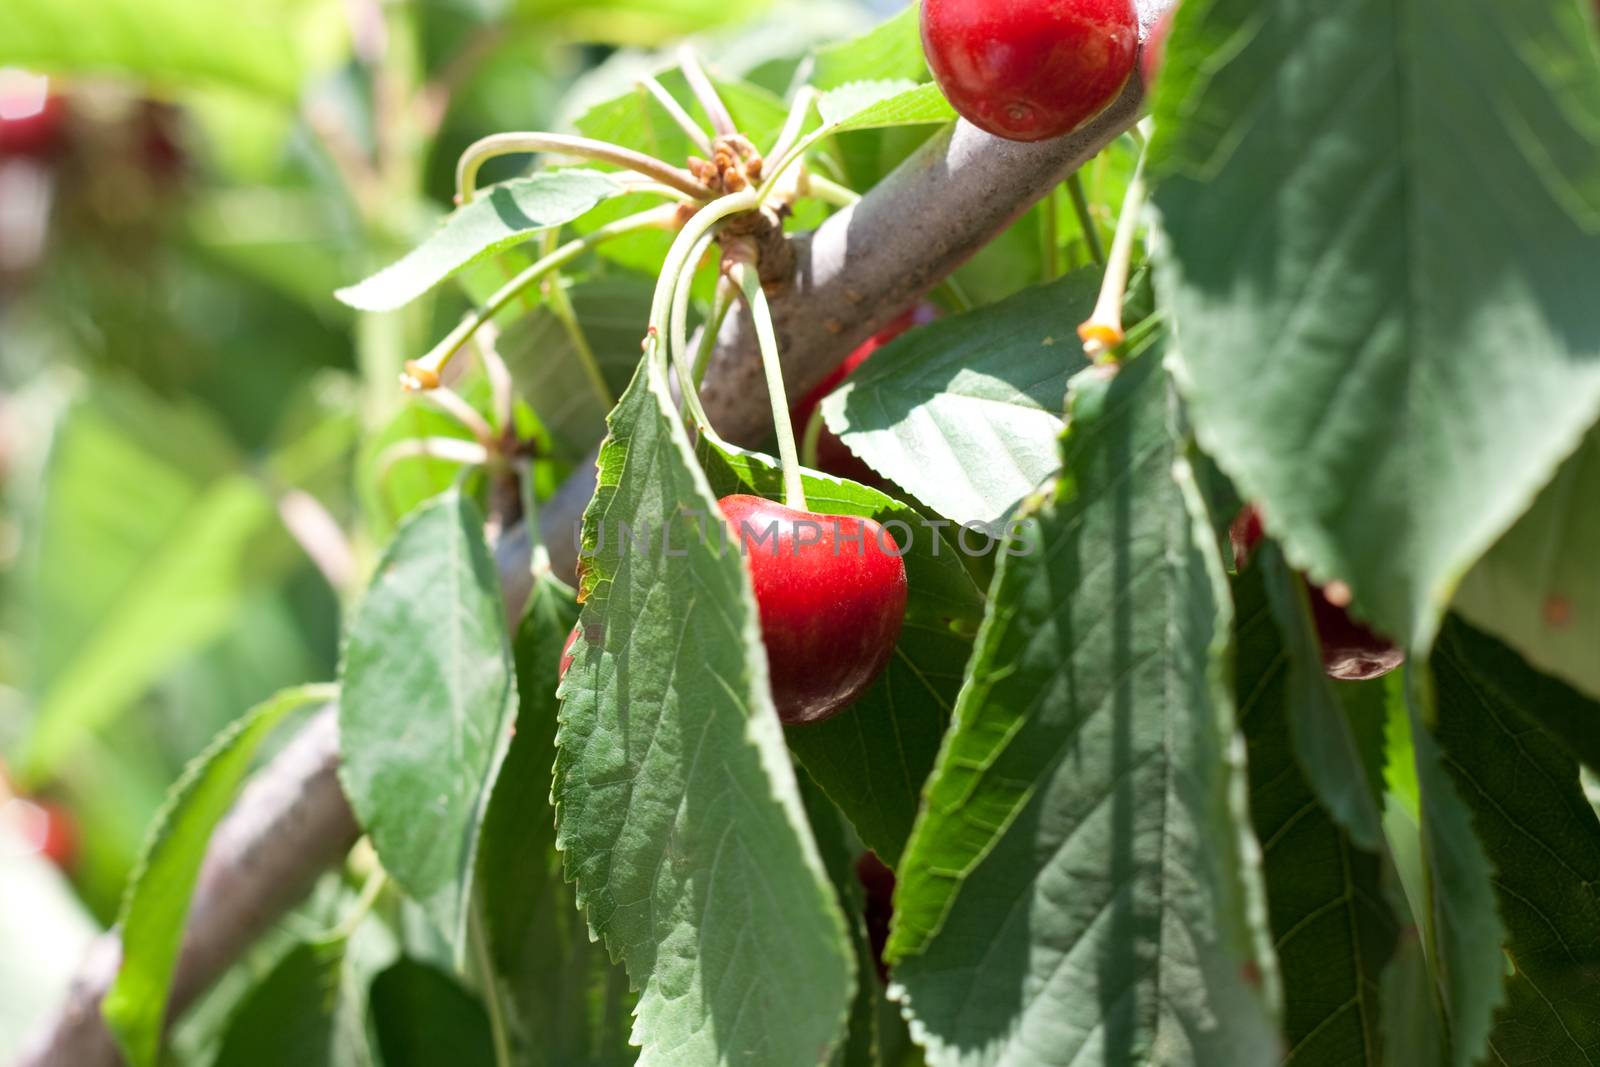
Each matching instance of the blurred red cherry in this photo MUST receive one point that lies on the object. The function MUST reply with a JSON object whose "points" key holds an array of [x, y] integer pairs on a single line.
{"points": [[833, 456], [1350, 651], [32, 120]]}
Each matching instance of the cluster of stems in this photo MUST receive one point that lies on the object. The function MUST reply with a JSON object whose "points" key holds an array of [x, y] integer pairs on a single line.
{"points": [[773, 177]]}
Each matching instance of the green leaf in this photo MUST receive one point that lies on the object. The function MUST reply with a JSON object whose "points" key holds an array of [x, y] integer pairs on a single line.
{"points": [[1325, 742], [1082, 884], [304, 1013], [641, 23], [517, 844], [1412, 1029], [874, 105], [148, 546], [1463, 930], [634, 119], [496, 218], [677, 806], [965, 412], [1359, 228], [423, 1018], [892, 50], [546, 366], [859, 1048], [427, 697], [262, 46], [1539, 587], [1542, 837], [550, 971], [873, 758], [157, 903], [1332, 929]]}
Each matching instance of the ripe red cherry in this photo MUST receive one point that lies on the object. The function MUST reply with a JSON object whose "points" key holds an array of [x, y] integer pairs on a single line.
{"points": [[833, 456], [877, 880], [31, 121], [59, 840], [831, 593], [1026, 70], [1350, 651], [47, 828]]}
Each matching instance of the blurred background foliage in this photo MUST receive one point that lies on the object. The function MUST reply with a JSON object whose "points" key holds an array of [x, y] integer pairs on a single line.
{"points": [[193, 430]]}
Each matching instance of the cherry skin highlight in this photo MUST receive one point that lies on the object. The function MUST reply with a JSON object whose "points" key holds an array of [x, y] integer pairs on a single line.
{"points": [[831, 593], [1027, 70], [1350, 651], [833, 455]]}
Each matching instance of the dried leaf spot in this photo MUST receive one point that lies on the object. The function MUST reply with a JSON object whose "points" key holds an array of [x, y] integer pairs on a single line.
{"points": [[1557, 612]]}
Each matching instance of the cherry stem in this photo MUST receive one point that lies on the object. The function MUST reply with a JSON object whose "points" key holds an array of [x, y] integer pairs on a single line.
{"points": [[450, 402], [828, 191], [670, 105], [793, 123], [666, 283], [749, 281], [679, 347], [790, 145], [483, 968], [679, 259], [721, 303], [1103, 331], [561, 307], [515, 143], [1086, 223], [501, 389], [442, 449], [423, 374], [706, 93], [811, 437]]}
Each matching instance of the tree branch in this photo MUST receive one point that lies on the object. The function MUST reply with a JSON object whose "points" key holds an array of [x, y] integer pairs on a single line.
{"points": [[858, 271]]}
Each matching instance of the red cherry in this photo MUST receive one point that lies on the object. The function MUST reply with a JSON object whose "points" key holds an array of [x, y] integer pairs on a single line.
{"points": [[1350, 651], [47, 828], [877, 879], [831, 593], [1026, 70], [31, 128], [59, 842], [833, 456]]}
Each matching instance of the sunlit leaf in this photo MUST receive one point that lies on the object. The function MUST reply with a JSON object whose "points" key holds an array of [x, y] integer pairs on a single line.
{"points": [[964, 413], [1365, 210], [427, 698], [1083, 883], [678, 811], [495, 219]]}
